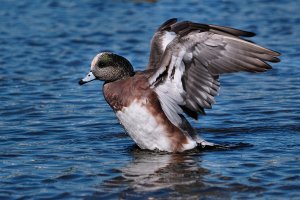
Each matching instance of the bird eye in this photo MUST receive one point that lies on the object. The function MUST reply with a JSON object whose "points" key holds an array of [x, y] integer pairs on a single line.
{"points": [[101, 64]]}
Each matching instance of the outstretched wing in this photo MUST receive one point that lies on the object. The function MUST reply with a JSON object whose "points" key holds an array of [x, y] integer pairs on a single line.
{"points": [[161, 38], [169, 30], [188, 59]]}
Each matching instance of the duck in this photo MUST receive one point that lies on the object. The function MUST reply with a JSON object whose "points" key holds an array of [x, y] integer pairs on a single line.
{"points": [[181, 81]]}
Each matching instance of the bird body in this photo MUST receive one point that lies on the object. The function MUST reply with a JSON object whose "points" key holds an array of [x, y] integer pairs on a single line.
{"points": [[139, 110], [186, 60]]}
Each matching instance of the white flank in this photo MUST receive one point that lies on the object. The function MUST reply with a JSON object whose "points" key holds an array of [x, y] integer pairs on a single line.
{"points": [[144, 129]]}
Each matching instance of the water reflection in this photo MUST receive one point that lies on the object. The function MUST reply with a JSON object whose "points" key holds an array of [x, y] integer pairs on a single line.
{"points": [[153, 172], [180, 175]]}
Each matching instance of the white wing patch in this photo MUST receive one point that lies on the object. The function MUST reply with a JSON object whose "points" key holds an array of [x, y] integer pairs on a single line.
{"points": [[171, 93], [167, 38]]}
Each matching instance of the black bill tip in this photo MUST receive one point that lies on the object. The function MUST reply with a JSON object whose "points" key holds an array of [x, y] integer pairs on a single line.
{"points": [[81, 82]]}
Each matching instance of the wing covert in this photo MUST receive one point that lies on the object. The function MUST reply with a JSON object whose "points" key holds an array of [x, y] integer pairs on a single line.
{"points": [[187, 70]]}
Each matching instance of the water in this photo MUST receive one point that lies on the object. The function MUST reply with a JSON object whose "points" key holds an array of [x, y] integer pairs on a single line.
{"points": [[62, 141]]}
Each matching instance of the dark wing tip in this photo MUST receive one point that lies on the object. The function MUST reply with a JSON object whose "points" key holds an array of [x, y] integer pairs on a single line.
{"points": [[189, 112], [276, 53], [166, 25], [232, 31], [275, 59], [185, 27]]}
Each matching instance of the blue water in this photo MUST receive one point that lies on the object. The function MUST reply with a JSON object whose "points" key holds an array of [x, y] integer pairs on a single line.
{"points": [[62, 141]]}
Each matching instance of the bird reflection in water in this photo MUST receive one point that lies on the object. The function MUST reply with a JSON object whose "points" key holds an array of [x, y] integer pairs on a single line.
{"points": [[156, 171], [151, 171]]}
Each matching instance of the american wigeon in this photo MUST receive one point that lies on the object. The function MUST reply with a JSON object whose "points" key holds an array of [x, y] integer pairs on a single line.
{"points": [[182, 76]]}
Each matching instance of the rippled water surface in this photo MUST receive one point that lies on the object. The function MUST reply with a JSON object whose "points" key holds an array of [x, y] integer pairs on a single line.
{"points": [[59, 140]]}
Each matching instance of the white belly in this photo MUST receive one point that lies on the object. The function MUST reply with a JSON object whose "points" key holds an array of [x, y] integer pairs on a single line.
{"points": [[143, 128]]}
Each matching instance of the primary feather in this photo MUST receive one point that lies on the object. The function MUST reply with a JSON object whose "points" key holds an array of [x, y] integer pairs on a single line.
{"points": [[189, 57]]}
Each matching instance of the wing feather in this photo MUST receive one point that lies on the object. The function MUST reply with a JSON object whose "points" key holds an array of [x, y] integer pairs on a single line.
{"points": [[188, 59]]}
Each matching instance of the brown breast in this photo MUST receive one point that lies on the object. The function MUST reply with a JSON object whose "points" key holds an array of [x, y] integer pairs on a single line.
{"points": [[121, 93]]}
